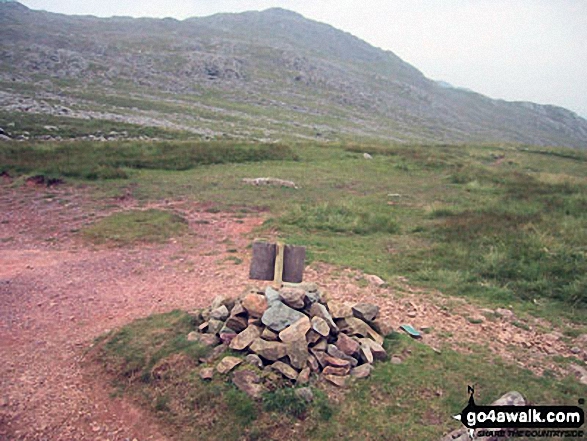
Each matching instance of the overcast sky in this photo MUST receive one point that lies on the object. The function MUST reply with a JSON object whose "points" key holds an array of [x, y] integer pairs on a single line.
{"points": [[530, 50]]}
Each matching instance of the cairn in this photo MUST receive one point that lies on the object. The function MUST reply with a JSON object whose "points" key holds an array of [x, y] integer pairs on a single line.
{"points": [[293, 332]]}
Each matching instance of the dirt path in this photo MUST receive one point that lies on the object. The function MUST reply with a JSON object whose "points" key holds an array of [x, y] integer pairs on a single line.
{"points": [[57, 294]]}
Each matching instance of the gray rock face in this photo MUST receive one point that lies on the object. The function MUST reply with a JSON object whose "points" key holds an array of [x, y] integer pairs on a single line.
{"points": [[271, 295], [279, 316]]}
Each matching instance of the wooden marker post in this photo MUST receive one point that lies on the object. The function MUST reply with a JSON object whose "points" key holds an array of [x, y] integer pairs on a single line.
{"points": [[278, 273]]}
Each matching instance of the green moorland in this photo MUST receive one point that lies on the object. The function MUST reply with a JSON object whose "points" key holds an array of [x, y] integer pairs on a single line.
{"points": [[499, 225]]}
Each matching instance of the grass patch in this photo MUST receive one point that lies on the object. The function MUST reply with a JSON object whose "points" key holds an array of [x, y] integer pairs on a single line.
{"points": [[90, 160], [135, 226], [152, 362]]}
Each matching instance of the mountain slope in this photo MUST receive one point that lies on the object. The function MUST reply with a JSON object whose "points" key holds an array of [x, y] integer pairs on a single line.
{"points": [[266, 75]]}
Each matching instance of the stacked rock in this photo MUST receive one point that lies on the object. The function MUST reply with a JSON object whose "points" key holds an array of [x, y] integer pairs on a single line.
{"points": [[294, 332]]}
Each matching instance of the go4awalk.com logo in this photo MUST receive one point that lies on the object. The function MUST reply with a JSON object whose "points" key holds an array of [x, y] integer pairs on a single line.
{"points": [[522, 421]]}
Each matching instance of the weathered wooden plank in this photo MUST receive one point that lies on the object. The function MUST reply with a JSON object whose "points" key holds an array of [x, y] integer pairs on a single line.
{"points": [[294, 259], [263, 262]]}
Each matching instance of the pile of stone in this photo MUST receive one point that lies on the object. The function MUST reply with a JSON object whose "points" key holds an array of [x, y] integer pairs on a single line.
{"points": [[293, 332]]}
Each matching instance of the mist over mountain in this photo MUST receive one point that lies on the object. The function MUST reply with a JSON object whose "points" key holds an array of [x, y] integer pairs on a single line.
{"points": [[264, 75]]}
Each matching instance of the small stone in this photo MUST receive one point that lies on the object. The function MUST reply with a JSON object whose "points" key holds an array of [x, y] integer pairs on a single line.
{"points": [[279, 316], [367, 156], [336, 380], [297, 352], [304, 376], [362, 371], [255, 304], [412, 314], [333, 351], [293, 297], [203, 327], [285, 369], [244, 339], [313, 363], [347, 345], [220, 313], [319, 310], [575, 350], [271, 295], [377, 350], [220, 300], [355, 326], [321, 345], [207, 373], [396, 360], [339, 310], [214, 326], [383, 327], [238, 310], [337, 362], [312, 336], [254, 360], [237, 323], [269, 335], [248, 382], [320, 357], [296, 331], [269, 350], [209, 340], [227, 364], [227, 337], [193, 336], [340, 371], [505, 313], [365, 311], [305, 393], [320, 326], [375, 280], [366, 354]]}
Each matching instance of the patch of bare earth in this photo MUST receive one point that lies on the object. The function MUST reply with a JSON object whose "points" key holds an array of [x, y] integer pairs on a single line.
{"points": [[57, 294]]}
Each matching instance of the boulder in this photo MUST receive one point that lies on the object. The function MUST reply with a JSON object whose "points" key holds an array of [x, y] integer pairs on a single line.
{"points": [[296, 331], [333, 351], [271, 295], [375, 280], [214, 326], [249, 382], [365, 311], [293, 297], [337, 362], [238, 310], [269, 350], [279, 316], [312, 337], [383, 327], [366, 354], [227, 364], [321, 345], [255, 304], [313, 363], [244, 339]]}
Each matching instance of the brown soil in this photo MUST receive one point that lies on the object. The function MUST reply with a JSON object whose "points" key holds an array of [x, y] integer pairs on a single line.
{"points": [[57, 294]]}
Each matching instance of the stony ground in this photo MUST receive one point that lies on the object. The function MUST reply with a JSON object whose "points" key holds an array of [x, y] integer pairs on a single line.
{"points": [[57, 294]]}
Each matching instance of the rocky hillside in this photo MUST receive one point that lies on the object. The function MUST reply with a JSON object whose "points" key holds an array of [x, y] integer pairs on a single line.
{"points": [[262, 75]]}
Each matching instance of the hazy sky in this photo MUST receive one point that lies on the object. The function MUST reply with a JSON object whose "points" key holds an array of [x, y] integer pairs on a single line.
{"points": [[530, 50]]}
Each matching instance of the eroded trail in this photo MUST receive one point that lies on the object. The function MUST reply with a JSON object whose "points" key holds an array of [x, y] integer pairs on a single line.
{"points": [[57, 294]]}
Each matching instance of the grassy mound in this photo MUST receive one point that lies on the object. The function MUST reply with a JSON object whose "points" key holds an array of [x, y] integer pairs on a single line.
{"points": [[151, 361]]}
